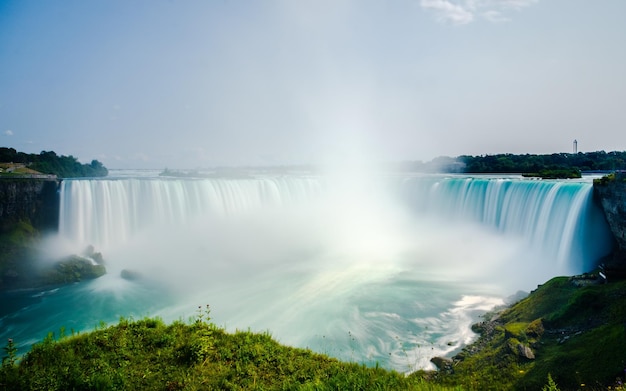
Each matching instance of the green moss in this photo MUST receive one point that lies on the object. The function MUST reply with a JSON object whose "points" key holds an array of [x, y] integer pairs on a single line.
{"points": [[512, 344], [548, 297], [595, 357], [516, 330], [18, 241], [20, 233], [576, 333], [21, 267], [72, 269], [605, 180], [535, 328]]}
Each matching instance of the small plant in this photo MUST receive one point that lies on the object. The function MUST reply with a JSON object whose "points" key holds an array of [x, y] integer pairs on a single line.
{"points": [[11, 353], [202, 343], [204, 316], [551, 386]]}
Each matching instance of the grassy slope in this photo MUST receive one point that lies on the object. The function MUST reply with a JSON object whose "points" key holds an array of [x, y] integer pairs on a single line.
{"points": [[17, 170], [576, 331], [149, 355]]}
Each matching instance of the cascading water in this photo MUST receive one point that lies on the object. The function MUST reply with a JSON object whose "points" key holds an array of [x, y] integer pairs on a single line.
{"points": [[558, 218], [386, 270], [109, 212]]}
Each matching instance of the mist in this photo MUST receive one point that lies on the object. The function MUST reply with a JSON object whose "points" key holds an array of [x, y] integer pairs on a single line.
{"points": [[343, 263], [348, 224]]}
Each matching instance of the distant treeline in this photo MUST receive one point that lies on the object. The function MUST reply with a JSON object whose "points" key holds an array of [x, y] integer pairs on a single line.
{"points": [[51, 163], [509, 163]]}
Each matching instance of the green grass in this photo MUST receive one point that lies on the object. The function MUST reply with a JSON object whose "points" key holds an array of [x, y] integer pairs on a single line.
{"points": [[576, 331], [577, 334], [150, 355], [551, 296]]}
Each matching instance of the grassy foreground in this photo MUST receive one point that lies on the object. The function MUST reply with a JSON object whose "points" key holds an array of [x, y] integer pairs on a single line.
{"points": [[572, 329], [569, 334], [150, 355]]}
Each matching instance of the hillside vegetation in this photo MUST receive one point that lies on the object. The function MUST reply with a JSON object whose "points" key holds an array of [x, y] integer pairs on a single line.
{"points": [[17, 252], [150, 355], [559, 163], [548, 166], [572, 329], [49, 163], [569, 334]]}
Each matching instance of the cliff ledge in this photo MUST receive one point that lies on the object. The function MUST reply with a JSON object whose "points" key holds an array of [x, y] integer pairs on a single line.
{"points": [[610, 191]]}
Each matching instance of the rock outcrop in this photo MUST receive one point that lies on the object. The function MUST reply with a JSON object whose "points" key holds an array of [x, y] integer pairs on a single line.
{"points": [[610, 191], [443, 364], [130, 275], [524, 351], [29, 199], [74, 268]]}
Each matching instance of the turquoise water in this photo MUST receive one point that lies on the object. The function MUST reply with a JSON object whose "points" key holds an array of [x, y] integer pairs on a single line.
{"points": [[387, 270], [399, 322]]}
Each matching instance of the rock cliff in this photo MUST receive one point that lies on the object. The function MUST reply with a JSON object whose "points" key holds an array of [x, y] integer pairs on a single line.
{"points": [[610, 191], [29, 199]]}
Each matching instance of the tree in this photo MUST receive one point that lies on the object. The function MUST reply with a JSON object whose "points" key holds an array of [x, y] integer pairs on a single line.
{"points": [[48, 162]]}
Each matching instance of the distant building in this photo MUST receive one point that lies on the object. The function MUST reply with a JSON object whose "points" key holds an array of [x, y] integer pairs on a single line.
{"points": [[575, 147]]}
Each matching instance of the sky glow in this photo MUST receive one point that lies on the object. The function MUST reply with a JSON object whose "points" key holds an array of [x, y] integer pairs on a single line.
{"points": [[191, 84]]}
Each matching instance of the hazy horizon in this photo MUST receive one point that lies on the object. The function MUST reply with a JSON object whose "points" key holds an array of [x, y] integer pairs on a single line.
{"points": [[203, 84]]}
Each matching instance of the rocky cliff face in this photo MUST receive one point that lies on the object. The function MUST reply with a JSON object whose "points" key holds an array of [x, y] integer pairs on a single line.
{"points": [[29, 206], [29, 199], [610, 191]]}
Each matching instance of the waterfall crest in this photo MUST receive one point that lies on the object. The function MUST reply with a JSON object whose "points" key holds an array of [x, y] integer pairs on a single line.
{"points": [[106, 212], [558, 217]]}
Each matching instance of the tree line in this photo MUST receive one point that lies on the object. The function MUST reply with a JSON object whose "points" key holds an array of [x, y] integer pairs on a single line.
{"points": [[510, 163], [48, 162]]}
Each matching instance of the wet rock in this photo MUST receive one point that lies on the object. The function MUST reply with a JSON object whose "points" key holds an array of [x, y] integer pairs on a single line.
{"points": [[611, 193], [444, 364], [91, 253], [525, 352], [130, 275], [74, 268]]}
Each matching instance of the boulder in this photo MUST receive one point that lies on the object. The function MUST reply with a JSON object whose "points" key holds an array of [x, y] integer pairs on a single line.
{"points": [[130, 275], [525, 352], [72, 269], [91, 253], [443, 364]]}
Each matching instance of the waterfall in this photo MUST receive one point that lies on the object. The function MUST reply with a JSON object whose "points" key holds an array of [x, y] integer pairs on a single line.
{"points": [[110, 211], [558, 218], [374, 269]]}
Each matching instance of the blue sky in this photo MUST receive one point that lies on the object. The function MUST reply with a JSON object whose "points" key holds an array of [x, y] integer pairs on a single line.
{"points": [[187, 84]]}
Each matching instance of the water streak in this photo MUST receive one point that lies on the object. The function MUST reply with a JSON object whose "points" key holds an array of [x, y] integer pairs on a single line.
{"points": [[559, 218]]}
